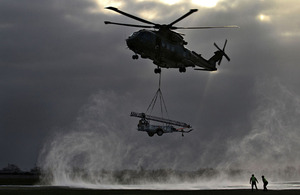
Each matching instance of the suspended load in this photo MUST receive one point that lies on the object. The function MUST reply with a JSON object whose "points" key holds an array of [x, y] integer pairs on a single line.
{"points": [[164, 125]]}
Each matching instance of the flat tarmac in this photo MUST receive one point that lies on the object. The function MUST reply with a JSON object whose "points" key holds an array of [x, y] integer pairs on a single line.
{"points": [[11, 190]]}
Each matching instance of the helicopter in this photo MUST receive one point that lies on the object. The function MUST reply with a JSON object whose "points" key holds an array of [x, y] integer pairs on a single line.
{"points": [[165, 47]]}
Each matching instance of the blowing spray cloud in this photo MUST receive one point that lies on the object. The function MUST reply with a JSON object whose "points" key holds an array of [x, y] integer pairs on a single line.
{"points": [[272, 145]]}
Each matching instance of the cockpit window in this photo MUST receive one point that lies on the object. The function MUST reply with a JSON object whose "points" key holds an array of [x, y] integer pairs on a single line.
{"points": [[134, 34]]}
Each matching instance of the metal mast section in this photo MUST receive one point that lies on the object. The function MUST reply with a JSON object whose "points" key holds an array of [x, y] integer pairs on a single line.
{"points": [[159, 119], [158, 95]]}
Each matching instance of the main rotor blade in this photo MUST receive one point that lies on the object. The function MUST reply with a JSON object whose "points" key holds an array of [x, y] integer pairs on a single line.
{"points": [[130, 25], [129, 15], [204, 27], [184, 16]]}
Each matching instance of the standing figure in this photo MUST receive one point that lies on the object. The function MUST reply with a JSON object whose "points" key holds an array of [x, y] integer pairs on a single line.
{"points": [[253, 181], [265, 183]]}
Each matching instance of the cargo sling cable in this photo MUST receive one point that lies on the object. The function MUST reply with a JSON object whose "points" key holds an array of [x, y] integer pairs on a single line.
{"points": [[162, 103]]}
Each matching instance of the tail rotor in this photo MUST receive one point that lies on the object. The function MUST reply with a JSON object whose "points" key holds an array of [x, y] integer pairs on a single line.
{"points": [[222, 52]]}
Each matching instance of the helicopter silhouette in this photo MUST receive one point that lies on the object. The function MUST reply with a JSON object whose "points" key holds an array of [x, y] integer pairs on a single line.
{"points": [[165, 47]]}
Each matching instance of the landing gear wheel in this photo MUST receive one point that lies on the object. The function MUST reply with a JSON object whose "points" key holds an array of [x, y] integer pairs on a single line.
{"points": [[182, 69], [157, 70], [135, 57], [159, 132], [150, 134]]}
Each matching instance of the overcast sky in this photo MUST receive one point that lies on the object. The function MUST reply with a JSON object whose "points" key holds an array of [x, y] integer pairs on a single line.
{"points": [[64, 74]]}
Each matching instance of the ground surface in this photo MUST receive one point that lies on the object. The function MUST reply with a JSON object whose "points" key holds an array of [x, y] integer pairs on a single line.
{"points": [[11, 190]]}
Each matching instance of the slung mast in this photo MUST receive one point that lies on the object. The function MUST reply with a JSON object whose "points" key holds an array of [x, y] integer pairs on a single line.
{"points": [[159, 119]]}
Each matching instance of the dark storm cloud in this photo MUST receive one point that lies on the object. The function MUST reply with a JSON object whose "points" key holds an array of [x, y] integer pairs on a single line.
{"points": [[54, 55], [45, 77]]}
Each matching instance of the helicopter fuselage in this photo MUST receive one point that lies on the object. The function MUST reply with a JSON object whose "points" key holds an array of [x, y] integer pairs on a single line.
{"points": [[165, 47], [166, 50]]}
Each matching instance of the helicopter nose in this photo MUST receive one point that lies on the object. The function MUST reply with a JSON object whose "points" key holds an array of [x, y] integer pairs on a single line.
{"points": [[130, 41]]}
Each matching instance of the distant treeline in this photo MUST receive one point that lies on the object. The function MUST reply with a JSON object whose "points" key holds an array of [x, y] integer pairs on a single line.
{"points": [[12, 169], [13, 175]]}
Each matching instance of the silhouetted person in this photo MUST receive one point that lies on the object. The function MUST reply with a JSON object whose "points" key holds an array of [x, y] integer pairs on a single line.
{"points": [[253, 181], [265, 183]]}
